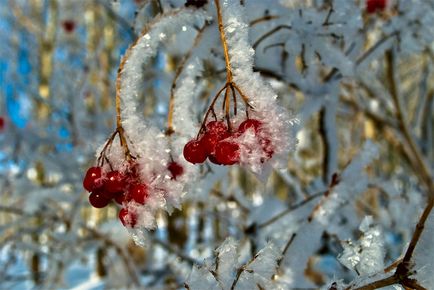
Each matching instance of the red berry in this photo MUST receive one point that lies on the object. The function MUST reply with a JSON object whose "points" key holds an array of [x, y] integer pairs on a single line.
{"points": [[68, 25], [2, 123], [227, 153], [217, 127], [93, 179], [373, 5], [115, 182], [96, 199], [267, 147], [194, 152], [120, 198], [128, 218], [250, 123], [138, 193], [175, 169]]}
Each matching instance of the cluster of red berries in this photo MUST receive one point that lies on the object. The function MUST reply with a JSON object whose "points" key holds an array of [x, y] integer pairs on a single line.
{"points": [[373, 6], [218, 143], [120, 187], [117, 186]]}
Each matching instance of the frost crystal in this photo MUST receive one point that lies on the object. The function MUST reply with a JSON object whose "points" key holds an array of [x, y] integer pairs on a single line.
{"points": [[146, 141], [366, 256], [423, 256], [227, 272], [277, 122]]}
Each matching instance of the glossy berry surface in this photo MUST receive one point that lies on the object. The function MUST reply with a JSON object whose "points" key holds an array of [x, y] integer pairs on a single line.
{"points": [[68, 25], [97, 200], [138, 193], [194, 152], [175, 169], [250, 123], [92, 180], [373, 6], [227, 153], [115, 182], [127, 218]]}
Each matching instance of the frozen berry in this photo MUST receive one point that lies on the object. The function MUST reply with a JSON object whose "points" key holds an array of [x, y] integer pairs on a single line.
{"points": [[138, 193], [227, 153], [96, 199], [217, 127], [175, 169], [120, 197], [210, 140], [93, 179], [115, 182], [128, 218], [68, 25], [250, 123], [267, 147], [373, 6], [194, 152]]}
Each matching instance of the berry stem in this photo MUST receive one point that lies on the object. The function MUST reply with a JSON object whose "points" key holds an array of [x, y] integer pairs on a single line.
{"points": [[211, 109], [227, 104], [224, 43]]}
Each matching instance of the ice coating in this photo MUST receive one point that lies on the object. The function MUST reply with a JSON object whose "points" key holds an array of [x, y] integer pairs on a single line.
{"points": [[277, 122], [147, 143]]}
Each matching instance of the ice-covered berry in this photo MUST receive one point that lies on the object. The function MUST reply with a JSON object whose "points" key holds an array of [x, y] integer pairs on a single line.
{"points": [[194, 152], [216, 127], [227, 153], [175, 169], [97, 200], [93, 179], [138, 193], [115, 182], [250, 123], [128, 218]]}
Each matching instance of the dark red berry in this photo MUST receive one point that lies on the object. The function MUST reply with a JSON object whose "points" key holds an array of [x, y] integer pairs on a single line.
{"points": [[115, 182], [138, 193], [96, 199], [2, 123], [212, 159], [128, 218], [227, 153], [250, 123], [175, 169], [210, 140], [68, 25], [92, 179], [194, 152], [120, 197], [373, 6]]}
